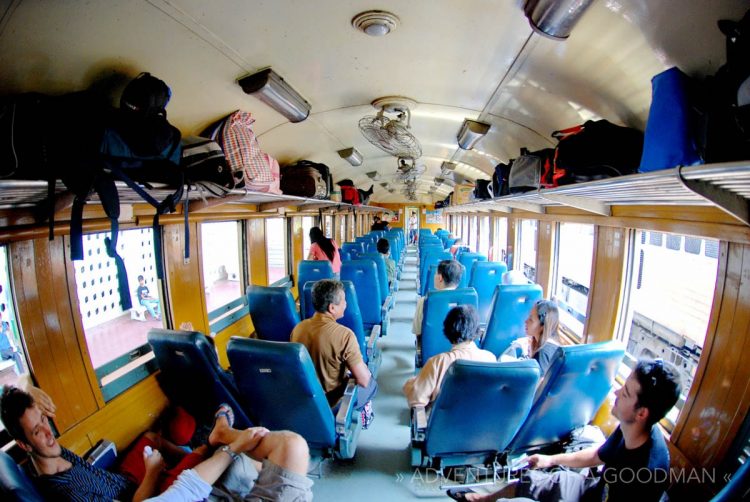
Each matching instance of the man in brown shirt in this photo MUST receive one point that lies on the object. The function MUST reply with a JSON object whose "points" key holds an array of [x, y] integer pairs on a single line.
{"points": [[333, 348], [460, 327]]}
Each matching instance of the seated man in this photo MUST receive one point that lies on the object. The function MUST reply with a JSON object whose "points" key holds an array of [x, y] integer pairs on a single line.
{"points": [[378, 224], [334, 348], [144, 298], [447, 276], [384, 248], [461, 327], [63, 475], [454, 247], [636, 447]]}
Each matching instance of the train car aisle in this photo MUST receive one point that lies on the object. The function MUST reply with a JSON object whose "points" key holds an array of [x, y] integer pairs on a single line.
{"points": [[381, 469]]}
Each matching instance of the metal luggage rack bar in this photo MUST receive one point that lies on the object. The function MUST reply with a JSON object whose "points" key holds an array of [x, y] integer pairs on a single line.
{"points": [[23, 194], [726, 186]]}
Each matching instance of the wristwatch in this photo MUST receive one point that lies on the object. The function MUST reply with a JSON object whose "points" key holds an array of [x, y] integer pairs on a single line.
{"points": [[229, 452]]}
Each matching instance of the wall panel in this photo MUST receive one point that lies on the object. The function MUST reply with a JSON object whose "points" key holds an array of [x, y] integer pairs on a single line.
{"points": [[186, 291], [256, 245], [610, 248]]}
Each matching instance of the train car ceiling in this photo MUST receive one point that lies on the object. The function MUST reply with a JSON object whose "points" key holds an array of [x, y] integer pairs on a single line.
{"points": [[475, 59]]}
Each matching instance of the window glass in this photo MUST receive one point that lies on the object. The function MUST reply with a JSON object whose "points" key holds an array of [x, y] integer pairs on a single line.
{"points": [[222, 263], [500, 243], [342, 228], [465, 230], [668, 300], [307, 223], [474, 234], [12, 355], [276, 249], [526, 262], [328, 226], [484, 235], [574, 256], [116, 338]]}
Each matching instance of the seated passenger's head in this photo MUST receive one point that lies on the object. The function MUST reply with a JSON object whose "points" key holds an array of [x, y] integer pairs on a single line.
{"points": [[461, 324], [141, 279], [316, 235], [651, 390], [376, 219], [448, 274], [542, 323], [26, 423], [384, 247], [328, 297]]}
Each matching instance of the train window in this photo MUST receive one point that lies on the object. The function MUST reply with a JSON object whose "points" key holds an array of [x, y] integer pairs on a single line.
{"points": [[116, 338], [500, 242], [12, 355], [574, 254], [276, 249], [526, 246], [223, 277], [342, 228], [484, 235], [307, 223], [473, 234], [328, 225], [666, 310]]}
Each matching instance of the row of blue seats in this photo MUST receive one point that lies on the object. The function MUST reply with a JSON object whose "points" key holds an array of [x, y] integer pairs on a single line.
{"points": [[272, 384]]}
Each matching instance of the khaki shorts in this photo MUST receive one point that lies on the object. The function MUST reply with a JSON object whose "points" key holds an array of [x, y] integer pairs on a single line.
{"points": [[241, 482]]}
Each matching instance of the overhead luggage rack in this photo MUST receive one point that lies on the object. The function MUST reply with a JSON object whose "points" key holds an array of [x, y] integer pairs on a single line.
{"points": [[726, 186], [22, 194]]}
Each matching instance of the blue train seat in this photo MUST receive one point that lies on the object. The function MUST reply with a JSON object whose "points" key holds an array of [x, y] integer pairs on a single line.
{"points": [[280, 378], [15, 485], [485, 277], [515, 277], [344, 255], [313, 270], [571, 392], [437, 304], [429, 258], [738, 486], [497, 409], [367, 339], [425, 232], [368, 241], [460, 251], [355, 249], [511, 305], [467, 260], [364, 276], [385, 290], [273, 312], [448, 242], [192, 377]]}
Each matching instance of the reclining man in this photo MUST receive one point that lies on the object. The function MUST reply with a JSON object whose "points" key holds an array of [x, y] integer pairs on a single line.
{"points": [[334, 349], [635, 456], [63, 475]]}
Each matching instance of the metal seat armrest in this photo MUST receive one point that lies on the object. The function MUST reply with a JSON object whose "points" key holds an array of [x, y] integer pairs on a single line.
{"points": [[418, 423], [372, 341], [343, 417]]}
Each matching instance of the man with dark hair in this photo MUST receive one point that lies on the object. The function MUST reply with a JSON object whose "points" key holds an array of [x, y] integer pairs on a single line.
{"points": [[447, 276], [384, 248], [461, 327], [63, 475], [378, 224], [334, 349], [635, 456]]}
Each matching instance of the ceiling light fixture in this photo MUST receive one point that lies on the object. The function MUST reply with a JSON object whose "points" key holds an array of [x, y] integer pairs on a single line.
{"points": [[555, 18], [447, 166], [373, 175], [274, 91], [471, 131], [376, 23], [351, 155]]}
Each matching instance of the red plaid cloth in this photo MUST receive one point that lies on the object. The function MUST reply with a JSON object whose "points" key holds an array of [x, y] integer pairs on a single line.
{"points": [[242, 150]]}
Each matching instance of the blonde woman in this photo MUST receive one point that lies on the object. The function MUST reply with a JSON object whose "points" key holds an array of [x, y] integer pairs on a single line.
{"points": [[542, 329]]}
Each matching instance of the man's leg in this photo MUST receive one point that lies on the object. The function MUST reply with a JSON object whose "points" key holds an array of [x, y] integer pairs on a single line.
{"points": [[365, 394]]}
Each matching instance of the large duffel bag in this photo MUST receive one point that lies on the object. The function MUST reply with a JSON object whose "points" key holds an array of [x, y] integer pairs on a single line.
{"points": [[483, 189], [303, 180], [500, 179], [596, 150], [531, 171]]}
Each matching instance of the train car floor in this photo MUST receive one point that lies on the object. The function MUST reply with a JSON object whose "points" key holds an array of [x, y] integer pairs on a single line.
{"points": [[381, 469]]}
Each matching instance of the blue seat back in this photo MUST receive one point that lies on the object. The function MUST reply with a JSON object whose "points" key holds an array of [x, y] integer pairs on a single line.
{"points": [[395, 248], [355, 249], [382, 273], [15, 485], [344, 255], [437, 304], [738, 486], [461, 250], [467, 260], [273, 312], [192, 377], [429, 258], [489, 400], [425, 232], [485, 277], [364, 275], [571, 392], [352, 316], [280, 378], [313, 270], [511, 305]]}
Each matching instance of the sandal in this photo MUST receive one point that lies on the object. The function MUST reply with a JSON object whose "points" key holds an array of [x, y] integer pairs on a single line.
{"points": [[459, 493], [225, 411]]}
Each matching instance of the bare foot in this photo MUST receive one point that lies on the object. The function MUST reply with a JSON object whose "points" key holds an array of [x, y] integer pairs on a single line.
{"points": [[222, 426]]}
